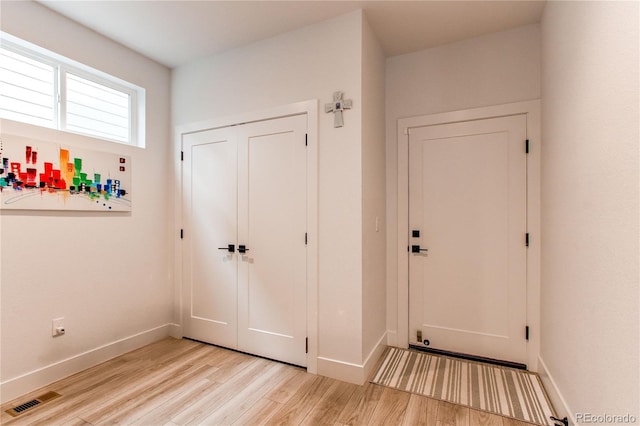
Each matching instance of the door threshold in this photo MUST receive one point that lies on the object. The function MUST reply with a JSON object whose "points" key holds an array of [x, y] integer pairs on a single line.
{"points": [[246, 353], [468, 357]]}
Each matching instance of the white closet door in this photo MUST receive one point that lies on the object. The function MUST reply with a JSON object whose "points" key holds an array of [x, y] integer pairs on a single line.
{"points": [[272, 279], [246, 185], [210, 222]]}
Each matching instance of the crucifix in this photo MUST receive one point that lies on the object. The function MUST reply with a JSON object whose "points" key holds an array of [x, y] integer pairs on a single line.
{"points": [[337, 106]]}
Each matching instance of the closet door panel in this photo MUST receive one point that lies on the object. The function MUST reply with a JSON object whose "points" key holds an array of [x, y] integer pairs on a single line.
{"points": [[210, 217], [272, 225]]}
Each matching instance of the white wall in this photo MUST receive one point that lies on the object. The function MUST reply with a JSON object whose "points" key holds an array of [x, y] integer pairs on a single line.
{"points": [[310, 63], [489, 70], [373, 196], [590, 212], [109, 276]]}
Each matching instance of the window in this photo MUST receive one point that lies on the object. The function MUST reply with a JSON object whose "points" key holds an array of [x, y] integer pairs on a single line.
{"points": [[42, 88]]}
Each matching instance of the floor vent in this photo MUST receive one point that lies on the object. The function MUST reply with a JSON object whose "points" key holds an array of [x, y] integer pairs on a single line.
{"points": [[23, 408]]}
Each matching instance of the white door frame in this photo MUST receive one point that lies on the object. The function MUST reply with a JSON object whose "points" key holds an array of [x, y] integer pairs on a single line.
{"points": [[532, 110], [310, 108]]}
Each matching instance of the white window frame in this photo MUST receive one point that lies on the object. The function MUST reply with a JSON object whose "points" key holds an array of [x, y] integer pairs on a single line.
{"points": [[63, 66]]}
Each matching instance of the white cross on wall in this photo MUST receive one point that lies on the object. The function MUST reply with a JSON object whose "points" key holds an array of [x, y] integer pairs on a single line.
{"points": [[337, 106]]}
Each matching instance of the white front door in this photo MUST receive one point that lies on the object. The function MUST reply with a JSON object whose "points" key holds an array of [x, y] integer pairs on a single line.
{"points": [[258, 304], [467, 231]]}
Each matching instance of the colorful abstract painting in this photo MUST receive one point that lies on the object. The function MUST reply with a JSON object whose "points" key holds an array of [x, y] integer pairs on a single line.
{"points": [[39, 175]]}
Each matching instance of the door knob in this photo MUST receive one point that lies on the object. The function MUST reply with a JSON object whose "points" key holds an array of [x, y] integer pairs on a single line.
{"points": [[242, 248], [231, 248], [417, 249]]}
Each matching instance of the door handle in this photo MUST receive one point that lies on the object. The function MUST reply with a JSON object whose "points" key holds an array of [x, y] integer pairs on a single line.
{"points": [[242, 248], [231, 248], [417, 249]]}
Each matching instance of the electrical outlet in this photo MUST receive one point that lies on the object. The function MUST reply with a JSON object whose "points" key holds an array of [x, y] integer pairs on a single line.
{"points": [[57, 327]]}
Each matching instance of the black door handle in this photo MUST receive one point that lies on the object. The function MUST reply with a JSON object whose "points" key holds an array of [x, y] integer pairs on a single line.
{"points": [[242, 248], [417, 249], [231, 248]]}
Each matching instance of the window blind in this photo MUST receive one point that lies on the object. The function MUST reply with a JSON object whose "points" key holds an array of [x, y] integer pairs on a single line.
{"points": [[95, 109], [27, 89]]}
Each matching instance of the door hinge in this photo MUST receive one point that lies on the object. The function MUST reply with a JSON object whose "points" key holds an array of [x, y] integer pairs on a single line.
{"points": [[181, 233], [306, 345], [181, 155], [526, 332], [305, 238], [526, 146], [306, 139], [526, 239]]}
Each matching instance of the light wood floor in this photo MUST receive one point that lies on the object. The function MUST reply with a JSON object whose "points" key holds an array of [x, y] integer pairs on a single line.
{"points": [[175, 382]]}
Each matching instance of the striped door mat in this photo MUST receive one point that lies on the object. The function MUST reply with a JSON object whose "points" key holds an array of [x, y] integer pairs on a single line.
{"points": [[499, 390]]}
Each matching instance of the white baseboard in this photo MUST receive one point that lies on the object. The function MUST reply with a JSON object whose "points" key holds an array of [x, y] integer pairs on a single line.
{"points": [[375, 354], [349, 372], [557, 400], [33, 380], [340, 370], [392, 338], [175, 330]]}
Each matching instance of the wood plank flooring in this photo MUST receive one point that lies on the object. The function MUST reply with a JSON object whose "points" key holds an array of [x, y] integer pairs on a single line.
{"points": [[180, 382]]}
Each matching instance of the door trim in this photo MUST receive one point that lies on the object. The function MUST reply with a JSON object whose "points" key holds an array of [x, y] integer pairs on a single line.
{"points": [[532, 111], [310, 108]]}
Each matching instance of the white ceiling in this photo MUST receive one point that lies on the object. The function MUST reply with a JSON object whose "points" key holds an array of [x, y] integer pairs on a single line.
{"points": [[176, 32]]}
